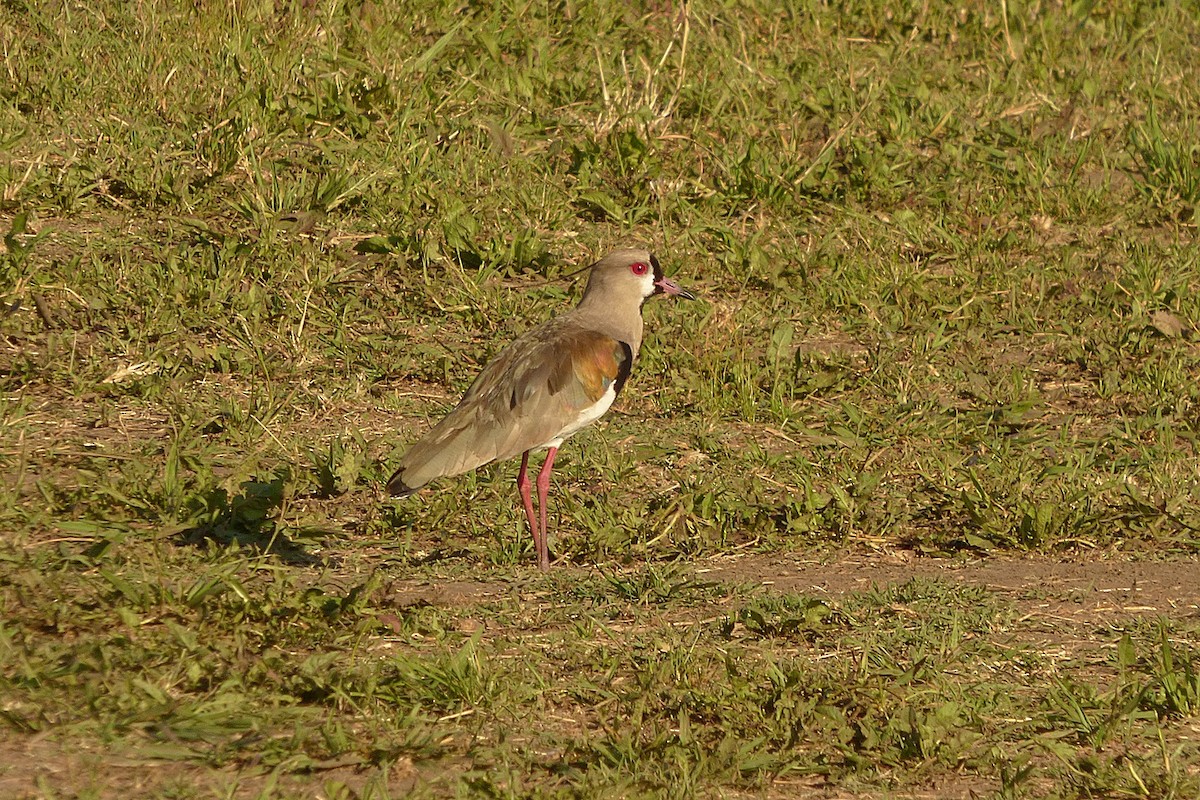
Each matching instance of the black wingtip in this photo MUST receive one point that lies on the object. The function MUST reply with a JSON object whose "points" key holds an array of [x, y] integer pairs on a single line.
{"points": [[398, 488]]}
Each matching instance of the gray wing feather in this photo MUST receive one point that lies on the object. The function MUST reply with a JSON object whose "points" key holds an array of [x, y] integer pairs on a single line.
{"points": [[523, 399]]}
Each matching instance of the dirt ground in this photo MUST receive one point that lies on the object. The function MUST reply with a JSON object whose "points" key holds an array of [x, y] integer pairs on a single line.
{"points": [[1074, 591], [1061, 603], [1083, 590]]}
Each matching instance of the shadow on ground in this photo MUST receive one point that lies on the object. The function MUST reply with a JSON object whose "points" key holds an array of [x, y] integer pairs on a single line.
{"points": [[248, 519]]}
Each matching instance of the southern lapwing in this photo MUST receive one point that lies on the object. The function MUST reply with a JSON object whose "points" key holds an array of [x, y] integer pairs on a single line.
{"points": [[547, 385]]}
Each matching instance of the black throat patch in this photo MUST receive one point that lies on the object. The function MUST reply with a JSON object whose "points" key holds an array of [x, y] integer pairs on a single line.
{"points": [[623, 368]]}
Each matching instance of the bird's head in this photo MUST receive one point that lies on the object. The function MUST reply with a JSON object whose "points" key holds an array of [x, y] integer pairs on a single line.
{"points": [[632, 274]]}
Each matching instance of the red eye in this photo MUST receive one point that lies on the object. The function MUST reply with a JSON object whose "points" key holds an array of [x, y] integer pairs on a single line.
{"points": [[638, 268]]}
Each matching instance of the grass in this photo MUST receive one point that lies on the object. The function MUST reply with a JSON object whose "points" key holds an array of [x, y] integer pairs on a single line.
{"points": [[949, 275]]}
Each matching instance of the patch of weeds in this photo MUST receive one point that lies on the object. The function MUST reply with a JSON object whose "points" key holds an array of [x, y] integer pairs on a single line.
{"points": [[785, 616], [449, 682], [339, 469], [246, 519], [1170, 171], [656, 585], [1171, 685]]}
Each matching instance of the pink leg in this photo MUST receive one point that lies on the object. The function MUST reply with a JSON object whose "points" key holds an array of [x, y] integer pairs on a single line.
{"points": [[543, 485], [525, 488]]}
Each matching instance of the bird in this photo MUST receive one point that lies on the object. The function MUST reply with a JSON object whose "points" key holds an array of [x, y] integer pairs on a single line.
{"points": [[545, 386]]}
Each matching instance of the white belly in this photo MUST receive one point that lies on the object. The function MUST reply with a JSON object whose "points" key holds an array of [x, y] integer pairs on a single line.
{"points": [[586, 417]]}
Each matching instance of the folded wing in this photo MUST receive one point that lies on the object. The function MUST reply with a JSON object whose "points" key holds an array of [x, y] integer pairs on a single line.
{"points": [[545, 385]]}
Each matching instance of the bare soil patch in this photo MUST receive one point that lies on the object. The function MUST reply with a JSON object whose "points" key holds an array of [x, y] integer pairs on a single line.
{"points": [[1091, 591]]}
